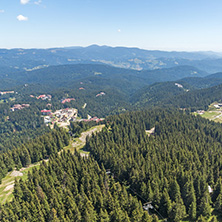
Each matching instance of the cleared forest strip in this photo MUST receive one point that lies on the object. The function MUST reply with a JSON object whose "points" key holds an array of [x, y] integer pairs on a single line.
{"points": [[79, 143]]}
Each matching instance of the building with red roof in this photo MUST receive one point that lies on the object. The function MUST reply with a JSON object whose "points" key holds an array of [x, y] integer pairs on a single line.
{"points": [[46, 112]]}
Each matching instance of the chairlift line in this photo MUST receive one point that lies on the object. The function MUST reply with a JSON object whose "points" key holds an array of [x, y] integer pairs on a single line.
{"points": [[147, 205]]}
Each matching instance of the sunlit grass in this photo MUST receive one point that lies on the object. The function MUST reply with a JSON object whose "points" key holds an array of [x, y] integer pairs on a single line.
{"points": [[6, 187]]}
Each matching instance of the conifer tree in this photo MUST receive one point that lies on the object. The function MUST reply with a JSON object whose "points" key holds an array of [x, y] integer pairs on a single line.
{"points": [[53, 216], [205, 208], [103, 216], [165, 204]]}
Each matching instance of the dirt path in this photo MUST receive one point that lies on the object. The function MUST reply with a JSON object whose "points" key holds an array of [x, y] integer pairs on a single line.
{"points": [[83, 136], [218, 116]]}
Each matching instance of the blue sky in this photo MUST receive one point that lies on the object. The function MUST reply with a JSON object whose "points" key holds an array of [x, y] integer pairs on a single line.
{"points": [[188, 25]]}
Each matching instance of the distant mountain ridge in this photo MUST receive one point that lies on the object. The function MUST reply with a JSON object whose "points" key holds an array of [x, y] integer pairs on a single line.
{"points": [[122, 57], [203, 82]]}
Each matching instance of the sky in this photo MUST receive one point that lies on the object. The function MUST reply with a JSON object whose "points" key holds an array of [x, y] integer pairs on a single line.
{"points": [[170, 25]]}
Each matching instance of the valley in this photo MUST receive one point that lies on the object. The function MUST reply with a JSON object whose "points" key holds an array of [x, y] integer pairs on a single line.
{"points": [[110, 111], [110, 137]]}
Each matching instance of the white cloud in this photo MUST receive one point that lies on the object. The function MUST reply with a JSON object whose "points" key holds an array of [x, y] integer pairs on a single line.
{"points": [[2, 11], [22, 18], [24, 2], [38, 2]]}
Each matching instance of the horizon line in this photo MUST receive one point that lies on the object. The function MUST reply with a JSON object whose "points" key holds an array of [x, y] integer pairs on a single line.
{"points": [[108, 46]]}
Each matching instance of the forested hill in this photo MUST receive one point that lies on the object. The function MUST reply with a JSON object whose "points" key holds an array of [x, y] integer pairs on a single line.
{"points": [[67, 75], [203, 82], [20, 126], [198, 99], [184, 96], [157, 94], [71, 188], [172, 169]]}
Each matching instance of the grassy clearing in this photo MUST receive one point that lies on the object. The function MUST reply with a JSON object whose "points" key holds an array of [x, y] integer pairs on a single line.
{"points": [[210, 114], [7, 185], [213, 115], [79, 143]]}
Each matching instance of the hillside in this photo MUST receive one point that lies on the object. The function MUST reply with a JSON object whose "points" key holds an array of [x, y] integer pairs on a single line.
{"points": [[122, 57], [197, 99], [203, 82], [66, 75], [191, 92], [157, 94], [172, 168], [167, 94], [176, 170]]}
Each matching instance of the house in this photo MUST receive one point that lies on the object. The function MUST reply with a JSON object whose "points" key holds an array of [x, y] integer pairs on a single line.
{"points": [[25, 105], [101, 94], [67, 100], [47, 119], [16, 107], [6, 92], [41, 97], [178, 85], [44, 97], [201, 112], [19, 107], [46, 112], [96, 119]]}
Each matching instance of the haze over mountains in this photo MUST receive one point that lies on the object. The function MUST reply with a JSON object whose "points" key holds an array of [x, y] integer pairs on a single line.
{"points": [[123, 57]]}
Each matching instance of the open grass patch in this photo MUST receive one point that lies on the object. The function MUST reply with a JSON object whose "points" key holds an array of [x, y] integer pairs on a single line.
{"points": [[210, 114], [7, 185], [79, 143]]}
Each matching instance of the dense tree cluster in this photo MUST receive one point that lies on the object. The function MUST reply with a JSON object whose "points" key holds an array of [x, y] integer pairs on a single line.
{"points": [[72, 188], [33, 151], [197, 99], [167, 94], [20, 126], [157, 94], [173, 168]]}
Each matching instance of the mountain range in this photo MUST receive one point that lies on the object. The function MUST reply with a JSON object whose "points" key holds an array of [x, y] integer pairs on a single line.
{"points": [[122, 57]]}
